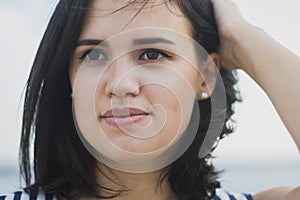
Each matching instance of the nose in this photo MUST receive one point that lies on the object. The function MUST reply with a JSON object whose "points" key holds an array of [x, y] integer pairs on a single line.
{"points": [[121, 80]]}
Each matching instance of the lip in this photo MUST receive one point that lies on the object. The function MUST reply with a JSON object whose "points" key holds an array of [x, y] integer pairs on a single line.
{"points": [[124, 116]]}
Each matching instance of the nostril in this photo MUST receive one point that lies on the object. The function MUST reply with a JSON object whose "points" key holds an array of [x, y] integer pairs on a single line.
{"points": [[136, 92], [121, 83], [121, 89]]}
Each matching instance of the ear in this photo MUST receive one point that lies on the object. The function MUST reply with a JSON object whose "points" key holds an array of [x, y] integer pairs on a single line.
{"points": [[209, 76]]}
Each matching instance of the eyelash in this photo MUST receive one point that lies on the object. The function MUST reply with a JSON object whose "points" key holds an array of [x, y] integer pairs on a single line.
{"points": [[159, 52], [141, 57], [88, 53]]}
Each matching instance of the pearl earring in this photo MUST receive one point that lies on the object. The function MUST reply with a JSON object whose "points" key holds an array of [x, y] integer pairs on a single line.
{"points": [[204, 95]]}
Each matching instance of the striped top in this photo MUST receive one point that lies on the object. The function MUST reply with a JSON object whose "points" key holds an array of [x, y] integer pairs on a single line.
{"points": [[220, 195]]}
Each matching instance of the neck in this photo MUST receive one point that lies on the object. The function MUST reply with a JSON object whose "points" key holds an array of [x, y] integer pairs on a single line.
{"points": [[136, 185]]}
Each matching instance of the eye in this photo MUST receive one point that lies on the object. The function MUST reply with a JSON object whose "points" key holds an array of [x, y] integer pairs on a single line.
{"points": [[94, 55], [153, 54]]}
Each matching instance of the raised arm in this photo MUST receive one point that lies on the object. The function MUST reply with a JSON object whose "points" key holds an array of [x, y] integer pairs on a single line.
{"points": [[275, 68]]}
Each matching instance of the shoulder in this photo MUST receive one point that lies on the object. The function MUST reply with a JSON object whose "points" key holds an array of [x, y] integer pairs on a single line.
{"points": [[21, 195], [283, 193], [225, 195]]}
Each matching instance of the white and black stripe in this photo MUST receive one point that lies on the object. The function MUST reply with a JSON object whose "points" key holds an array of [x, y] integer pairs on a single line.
{"points": [[21, 195]]}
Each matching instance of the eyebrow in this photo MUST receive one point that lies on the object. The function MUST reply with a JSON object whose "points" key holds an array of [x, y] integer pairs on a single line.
{"points": [[141, 41], [91, 42]]}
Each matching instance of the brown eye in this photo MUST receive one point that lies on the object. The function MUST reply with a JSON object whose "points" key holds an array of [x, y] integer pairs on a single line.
{"points": [[153, 54]]}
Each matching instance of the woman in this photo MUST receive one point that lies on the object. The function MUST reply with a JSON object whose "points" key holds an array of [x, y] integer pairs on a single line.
{"points": [[65, 161]]}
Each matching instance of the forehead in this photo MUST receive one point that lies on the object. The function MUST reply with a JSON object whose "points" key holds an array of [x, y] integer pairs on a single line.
{"points": [[108, 17]]}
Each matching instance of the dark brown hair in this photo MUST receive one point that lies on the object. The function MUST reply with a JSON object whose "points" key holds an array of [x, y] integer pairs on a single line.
{"points": [[61, 164]]}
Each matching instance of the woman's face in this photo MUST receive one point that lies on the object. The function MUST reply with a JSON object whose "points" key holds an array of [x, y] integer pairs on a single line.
{"points": [[140, 88]]}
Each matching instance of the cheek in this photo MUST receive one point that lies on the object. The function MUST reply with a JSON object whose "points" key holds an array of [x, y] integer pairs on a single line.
{"points": [[163, 96], [177, 102], [178, 106]]}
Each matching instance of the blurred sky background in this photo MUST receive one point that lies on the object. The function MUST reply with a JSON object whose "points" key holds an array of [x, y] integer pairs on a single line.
{"points": [[260, 144]]}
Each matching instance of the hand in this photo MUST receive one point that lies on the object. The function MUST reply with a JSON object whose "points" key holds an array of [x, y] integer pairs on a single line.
{"points": [[231, 25]]}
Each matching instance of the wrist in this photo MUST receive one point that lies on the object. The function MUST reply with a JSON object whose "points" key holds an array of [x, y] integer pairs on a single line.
{"points": [[246, 42]]}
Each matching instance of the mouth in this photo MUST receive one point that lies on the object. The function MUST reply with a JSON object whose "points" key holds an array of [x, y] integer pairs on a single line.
{"points": [[124, 116]]}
